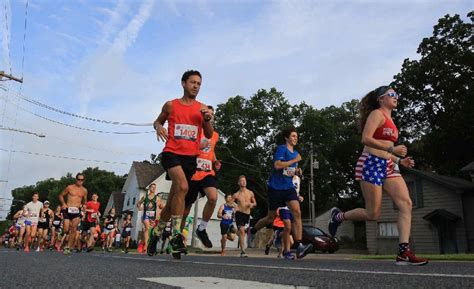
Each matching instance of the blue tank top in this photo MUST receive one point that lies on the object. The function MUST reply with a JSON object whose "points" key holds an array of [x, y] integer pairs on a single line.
{"points": [[227, 211]]}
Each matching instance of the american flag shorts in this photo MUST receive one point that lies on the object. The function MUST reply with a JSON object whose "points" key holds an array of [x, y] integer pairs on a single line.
{"points": [[375, 170]]}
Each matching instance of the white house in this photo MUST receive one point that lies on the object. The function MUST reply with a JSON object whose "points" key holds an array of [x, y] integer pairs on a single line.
{"points": [[140, 177]]}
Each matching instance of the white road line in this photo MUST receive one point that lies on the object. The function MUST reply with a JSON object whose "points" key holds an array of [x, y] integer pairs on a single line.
{"points": [[215, 283], [304, 269]]}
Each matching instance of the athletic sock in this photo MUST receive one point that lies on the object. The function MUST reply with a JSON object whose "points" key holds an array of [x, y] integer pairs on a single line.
{"points": [[176, 224], [202, 226], [340, 217], [402, 247]]}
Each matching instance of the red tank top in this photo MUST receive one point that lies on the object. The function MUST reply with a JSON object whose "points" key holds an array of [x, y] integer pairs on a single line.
{"points": [[388, 131], [92, 216], [206, 157], [184, 128]]}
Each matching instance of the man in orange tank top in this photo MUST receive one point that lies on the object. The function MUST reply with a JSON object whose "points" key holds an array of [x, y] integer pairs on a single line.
{"points": [[186, 118], [204, 183]]}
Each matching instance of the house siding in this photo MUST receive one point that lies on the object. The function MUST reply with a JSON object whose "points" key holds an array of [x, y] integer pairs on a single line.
{"points": [[346, 229], [424, 236]]}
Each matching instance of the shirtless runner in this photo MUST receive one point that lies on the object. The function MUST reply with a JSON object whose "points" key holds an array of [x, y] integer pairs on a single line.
{"points": [[245, 200], [76, 197]]}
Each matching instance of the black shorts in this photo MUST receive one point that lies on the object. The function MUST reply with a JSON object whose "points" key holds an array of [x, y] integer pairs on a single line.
{"points": [[43, 226], [170, 160], [225, 228], [280, 229], [242, 219], [196, 187], [278, 198], [87, 225], [126, 234], [165, 235], [69, 216]]}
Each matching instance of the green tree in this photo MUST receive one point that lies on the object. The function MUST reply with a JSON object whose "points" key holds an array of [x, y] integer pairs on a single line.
{"points": [[97, 181], [249, 129], [436, 109]]}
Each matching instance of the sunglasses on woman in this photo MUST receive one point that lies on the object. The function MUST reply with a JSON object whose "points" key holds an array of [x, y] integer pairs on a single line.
{"points": [[393, 94]]}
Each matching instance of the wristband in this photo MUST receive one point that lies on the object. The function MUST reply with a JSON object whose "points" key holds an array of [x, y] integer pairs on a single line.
{"points": [[390, 149], [397, 160]]}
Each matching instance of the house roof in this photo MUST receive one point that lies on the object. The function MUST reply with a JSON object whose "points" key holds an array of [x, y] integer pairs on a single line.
{"points": [[441, 213], [118, 198], [451, 182], [468, 168], [147, 173]]}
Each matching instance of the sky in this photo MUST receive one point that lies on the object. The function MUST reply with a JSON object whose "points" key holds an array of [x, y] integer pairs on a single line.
{"points": [[120, 60]]}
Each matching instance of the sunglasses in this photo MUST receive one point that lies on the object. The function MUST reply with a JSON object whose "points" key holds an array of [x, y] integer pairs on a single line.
{"points": [[393, 95], [80, 180]]}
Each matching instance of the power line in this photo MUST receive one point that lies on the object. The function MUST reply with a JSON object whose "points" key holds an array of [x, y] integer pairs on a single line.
{"points": [[81, 116], [78, 127], [64, 157], [22, 131], [70, 142]]}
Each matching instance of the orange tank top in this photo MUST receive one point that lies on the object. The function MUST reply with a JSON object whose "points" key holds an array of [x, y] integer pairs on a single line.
{"points": [[184, 128], [206, 157], [278, 222]]}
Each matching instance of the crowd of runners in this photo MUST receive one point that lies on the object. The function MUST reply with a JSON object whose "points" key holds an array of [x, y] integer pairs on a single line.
{"points": [[191, 165]]}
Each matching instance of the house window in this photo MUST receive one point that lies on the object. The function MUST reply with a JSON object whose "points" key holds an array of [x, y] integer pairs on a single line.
{"points": [[128, 202], [387, 230], [415, 190], [134, 199]]}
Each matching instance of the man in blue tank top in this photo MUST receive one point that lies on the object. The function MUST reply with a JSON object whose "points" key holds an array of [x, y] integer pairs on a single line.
{"points": [[226, 213]]}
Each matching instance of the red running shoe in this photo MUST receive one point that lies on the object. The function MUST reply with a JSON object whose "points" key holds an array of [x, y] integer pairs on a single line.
{"points": [[409, 258]]}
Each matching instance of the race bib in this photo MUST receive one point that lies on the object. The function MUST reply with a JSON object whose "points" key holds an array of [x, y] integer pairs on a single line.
{"points": [[56, 223], [42, 220], [150, 213], [94, 215], [204, 165], [73, 210], [205, 145], [128, 229], [186, 132], [228, 216], [110, 226], [289, 171]]}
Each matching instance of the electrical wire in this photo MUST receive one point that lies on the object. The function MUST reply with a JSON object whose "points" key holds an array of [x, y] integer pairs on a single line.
{"points": [[65, 157], [32, 101]]}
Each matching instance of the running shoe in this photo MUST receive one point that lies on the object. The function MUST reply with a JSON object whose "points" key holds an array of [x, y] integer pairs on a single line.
{"points": [[222, 253], [409, 258], [243, 254], [289, 256], [267, 249], [90, 249], [303, 250], [177, 244], [38, 249], [333, 223], [67, 251], [154, 237], [204, 238], [27, 249]]}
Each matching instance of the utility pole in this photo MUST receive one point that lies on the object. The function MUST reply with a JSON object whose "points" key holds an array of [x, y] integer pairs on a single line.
{"points": [[313, 164], [194, 241], [10, 77]]}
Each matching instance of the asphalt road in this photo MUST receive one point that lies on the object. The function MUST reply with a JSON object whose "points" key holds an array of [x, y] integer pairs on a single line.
{"points": [[115, 270]]}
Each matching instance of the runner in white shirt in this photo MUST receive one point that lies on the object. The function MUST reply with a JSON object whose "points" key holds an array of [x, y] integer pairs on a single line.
{"points": [[31, 221]]}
